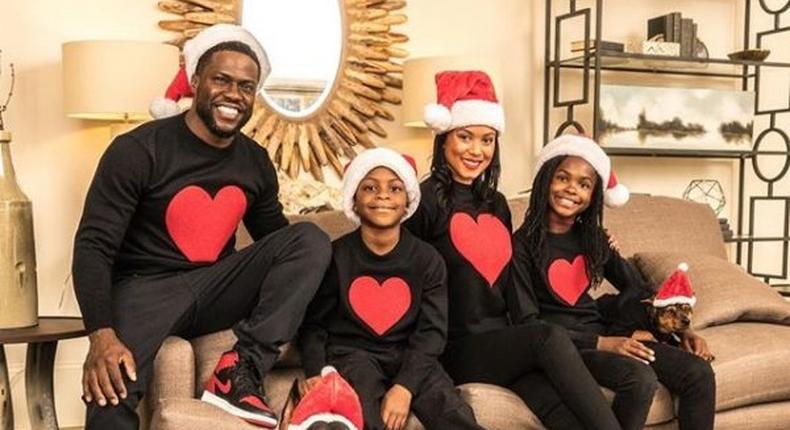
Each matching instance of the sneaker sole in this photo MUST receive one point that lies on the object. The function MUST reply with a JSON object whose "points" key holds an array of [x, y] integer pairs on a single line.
{"points": [[250, 417]]}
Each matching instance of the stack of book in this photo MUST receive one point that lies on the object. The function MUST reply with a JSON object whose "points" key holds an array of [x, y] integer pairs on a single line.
{"points": [[674, 28], [578, 46]]}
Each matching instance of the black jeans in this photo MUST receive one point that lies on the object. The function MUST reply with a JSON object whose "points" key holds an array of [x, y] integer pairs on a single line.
{"points": [[437, 404], [541, 365], [634, 383], [261, 292]]}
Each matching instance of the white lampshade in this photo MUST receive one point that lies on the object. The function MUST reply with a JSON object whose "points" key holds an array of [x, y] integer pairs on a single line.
{"points": [[419, 86], [115, 80]]}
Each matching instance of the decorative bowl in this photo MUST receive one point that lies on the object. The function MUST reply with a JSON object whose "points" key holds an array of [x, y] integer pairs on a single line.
{"points": [[749, 55]]}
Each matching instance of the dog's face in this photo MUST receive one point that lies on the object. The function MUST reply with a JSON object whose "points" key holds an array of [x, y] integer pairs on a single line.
{"points": [[673, 318]]}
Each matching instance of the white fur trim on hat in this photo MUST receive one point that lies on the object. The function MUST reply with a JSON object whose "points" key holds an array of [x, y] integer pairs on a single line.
{"points": [[197, 46], [676, 300], [585, 148], [464, 113], [326, 417], [370, 159]]}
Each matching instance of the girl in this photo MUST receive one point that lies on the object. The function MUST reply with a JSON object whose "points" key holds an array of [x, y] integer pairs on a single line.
{"points": [[380, 316], [468, 221], [562, 251]]}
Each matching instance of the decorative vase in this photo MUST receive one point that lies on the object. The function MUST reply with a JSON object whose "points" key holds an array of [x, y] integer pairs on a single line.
{"points": [[18, 289]]}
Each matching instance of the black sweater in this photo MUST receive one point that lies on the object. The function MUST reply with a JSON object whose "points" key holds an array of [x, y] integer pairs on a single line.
{"points": [[378, 302], [163, 201], [560, 287], [474, 241]]}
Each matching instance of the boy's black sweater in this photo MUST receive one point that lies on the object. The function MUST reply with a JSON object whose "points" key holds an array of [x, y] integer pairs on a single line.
{"points": [[378, 302]]}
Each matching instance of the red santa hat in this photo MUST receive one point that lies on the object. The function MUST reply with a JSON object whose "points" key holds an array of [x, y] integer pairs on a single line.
{"points": [[615, 194], [193, 50], [369, 159], [331, 400], [464, 98], [676, 289]]}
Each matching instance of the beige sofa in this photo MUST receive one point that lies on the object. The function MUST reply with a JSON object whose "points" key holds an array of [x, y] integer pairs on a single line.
{"points": [[746, 323]]}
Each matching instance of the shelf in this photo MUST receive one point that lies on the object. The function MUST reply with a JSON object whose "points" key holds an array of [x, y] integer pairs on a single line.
{"points": [[640, 63], [751, 239], [682, 153]]}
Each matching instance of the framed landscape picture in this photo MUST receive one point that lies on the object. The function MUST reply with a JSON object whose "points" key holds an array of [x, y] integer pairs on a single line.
{"points": [[675, 118]]}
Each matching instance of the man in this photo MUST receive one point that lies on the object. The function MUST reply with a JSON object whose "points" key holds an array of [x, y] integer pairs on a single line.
{"points": [[154, 252]]}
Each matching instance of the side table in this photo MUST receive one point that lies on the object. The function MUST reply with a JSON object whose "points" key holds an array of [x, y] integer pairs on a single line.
{"points": [[42, 343]]}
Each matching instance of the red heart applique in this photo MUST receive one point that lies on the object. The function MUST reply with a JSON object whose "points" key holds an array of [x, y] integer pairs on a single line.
{"points": [[380, 306], [201, 226], [484, 243], [569, 280]]}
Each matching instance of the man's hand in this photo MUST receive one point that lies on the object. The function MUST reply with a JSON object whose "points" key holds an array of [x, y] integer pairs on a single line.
{"points": [[696, 345], [307, 385], [626, 346], [395, 407], [101, 374]]}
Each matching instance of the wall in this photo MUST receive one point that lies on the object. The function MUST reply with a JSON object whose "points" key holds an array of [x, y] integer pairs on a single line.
{"points": [[55, 156]]}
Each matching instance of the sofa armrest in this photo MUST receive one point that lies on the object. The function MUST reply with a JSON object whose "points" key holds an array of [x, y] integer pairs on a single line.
{"points": [[174, 371]]}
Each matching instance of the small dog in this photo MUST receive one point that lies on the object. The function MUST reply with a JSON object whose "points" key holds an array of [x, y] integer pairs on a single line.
{"points": [[662, 316]]}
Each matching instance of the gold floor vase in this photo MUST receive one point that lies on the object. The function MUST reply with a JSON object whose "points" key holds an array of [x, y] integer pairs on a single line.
{"points": [[18, 289]]}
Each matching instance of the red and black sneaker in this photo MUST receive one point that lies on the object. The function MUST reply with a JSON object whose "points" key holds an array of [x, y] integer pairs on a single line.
{"points": [[235, 388]]}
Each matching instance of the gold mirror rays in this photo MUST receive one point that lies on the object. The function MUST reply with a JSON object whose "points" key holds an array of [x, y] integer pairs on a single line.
{"points": [[369, 77]]}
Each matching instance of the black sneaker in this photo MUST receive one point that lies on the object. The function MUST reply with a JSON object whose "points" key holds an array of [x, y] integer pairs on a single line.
{"points": [[234, 387]]}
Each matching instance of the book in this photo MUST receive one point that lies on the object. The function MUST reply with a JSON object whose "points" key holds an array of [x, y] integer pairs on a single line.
{"points": [[686, 35], [694, 40], [578, 45], [660, 25], [675, 33]]}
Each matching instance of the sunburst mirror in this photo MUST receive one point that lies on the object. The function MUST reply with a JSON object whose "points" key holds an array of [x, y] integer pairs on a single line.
{"points": [[329, 87]]}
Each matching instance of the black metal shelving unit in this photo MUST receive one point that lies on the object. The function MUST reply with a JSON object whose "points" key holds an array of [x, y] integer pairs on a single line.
{"points": [[593, 63]]}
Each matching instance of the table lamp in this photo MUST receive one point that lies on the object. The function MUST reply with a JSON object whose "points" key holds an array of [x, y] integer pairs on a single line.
{"points": [[115, 80]]}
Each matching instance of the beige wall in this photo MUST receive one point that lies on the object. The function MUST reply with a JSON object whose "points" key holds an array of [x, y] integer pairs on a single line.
{"points": [[55, 157]]}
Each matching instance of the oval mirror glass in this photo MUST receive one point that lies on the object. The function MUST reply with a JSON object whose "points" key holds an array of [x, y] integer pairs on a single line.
{"points": [[303, 39]]}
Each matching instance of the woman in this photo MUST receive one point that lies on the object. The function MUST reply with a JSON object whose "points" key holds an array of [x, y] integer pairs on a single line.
{"points": [[468, 221]]}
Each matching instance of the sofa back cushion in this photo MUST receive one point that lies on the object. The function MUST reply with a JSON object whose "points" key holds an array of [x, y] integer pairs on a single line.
{"points": [[655, 223], [725, 292]]}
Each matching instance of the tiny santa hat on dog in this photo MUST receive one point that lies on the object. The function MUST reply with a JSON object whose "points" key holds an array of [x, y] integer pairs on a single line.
{"points": [[402, 165], [332, 399], [615, 194], [676, 289], [194, 48], [464, 98]]}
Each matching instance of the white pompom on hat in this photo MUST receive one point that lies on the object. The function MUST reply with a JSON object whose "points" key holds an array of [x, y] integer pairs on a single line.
{"points": [[464, 98], [615, 194], [369, 159], [194, 48]]}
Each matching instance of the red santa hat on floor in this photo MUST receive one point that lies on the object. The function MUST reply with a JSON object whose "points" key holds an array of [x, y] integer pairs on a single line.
{"points": [[369, 159], [194, 49], [464, 98], [331, 400], [615, 194], [676, 289]]}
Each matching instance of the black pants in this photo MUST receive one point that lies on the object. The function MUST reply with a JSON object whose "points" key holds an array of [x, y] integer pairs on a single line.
{"points": [[261, 292], [438, 404], [634, 383], [541, 365]]}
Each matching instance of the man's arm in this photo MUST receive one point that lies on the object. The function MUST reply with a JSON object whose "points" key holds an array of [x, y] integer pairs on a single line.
{"points": [[266, 213], [109, 206]]}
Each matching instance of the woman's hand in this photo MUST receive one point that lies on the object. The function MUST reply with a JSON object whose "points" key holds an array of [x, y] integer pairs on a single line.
{"points": [[643, 336], [697, 345], [626, 346], [395, 407]]}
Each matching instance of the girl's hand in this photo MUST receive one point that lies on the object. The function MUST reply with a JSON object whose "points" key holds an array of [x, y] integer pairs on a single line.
{"points": [[696, 345], [643, 336], [307, 385], [395, 407], [613, 243], [626, 346]]}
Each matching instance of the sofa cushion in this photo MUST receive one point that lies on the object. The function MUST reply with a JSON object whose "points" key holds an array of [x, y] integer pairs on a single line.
{"points": [[498, 408], [725, 292], [751, 363]]}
